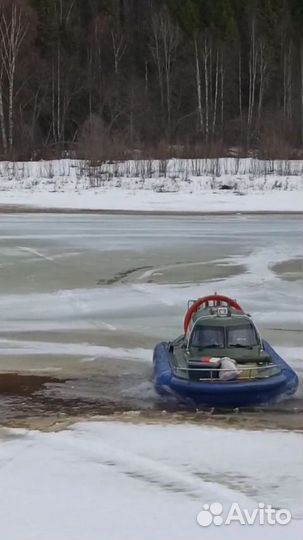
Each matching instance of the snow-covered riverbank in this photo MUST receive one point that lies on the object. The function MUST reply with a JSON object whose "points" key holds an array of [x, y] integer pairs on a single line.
{"points": [[199, 185], [115, 480]]}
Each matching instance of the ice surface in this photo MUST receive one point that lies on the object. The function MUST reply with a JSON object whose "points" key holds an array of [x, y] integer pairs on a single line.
{"points": [[12, 347], [57, 293]]}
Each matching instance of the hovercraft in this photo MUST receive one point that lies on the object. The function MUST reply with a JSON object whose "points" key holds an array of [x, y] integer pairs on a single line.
{"points": [[221, 360]]}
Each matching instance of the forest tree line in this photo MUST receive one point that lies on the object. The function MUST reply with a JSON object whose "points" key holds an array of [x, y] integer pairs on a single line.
{"points": [[105, 79]]}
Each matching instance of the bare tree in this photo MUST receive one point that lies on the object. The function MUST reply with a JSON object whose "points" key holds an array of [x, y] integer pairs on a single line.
{"points": [[240, 87], [216, 94], [2, 117], [13, 29], [301, 62], [59, 98], [263, 68], [198, 84], [164, 49], [222, 89], [119, 44], [287, 81], [253, 63], [210, 99], [206, 54]]}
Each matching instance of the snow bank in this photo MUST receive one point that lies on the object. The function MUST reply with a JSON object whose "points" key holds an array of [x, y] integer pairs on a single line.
{"points": [[203, 185], [121, 481]]}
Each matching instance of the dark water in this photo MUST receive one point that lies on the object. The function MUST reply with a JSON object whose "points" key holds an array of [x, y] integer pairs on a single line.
{"points": [[28, 400]]}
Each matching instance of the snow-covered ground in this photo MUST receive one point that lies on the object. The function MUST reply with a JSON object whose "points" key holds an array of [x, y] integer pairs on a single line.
{"points": [[198, 185], [117, 481]]}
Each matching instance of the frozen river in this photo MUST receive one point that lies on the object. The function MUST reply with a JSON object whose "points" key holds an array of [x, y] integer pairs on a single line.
{"points": [[83, 300]]}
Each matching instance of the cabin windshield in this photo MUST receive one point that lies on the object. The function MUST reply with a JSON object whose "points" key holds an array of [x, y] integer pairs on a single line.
{"points": [[206, 337], [217, 337], [242, 336]]}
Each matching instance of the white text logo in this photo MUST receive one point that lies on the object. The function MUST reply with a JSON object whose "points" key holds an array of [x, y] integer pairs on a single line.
{"points": [[212, 514]]}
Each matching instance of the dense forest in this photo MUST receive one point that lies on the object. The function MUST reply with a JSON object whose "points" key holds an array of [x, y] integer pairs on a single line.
{"points": [[105, 79]]}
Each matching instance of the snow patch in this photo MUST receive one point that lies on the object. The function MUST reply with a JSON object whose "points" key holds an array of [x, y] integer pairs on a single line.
{"points": [[112, 480]]}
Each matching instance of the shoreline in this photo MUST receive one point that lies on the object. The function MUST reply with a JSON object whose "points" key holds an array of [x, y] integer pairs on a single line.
{"points": [[23, 209], [248, 420]]}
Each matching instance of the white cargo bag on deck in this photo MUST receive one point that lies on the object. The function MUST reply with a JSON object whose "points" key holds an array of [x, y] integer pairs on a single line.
{"points": [[229, 369]]}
